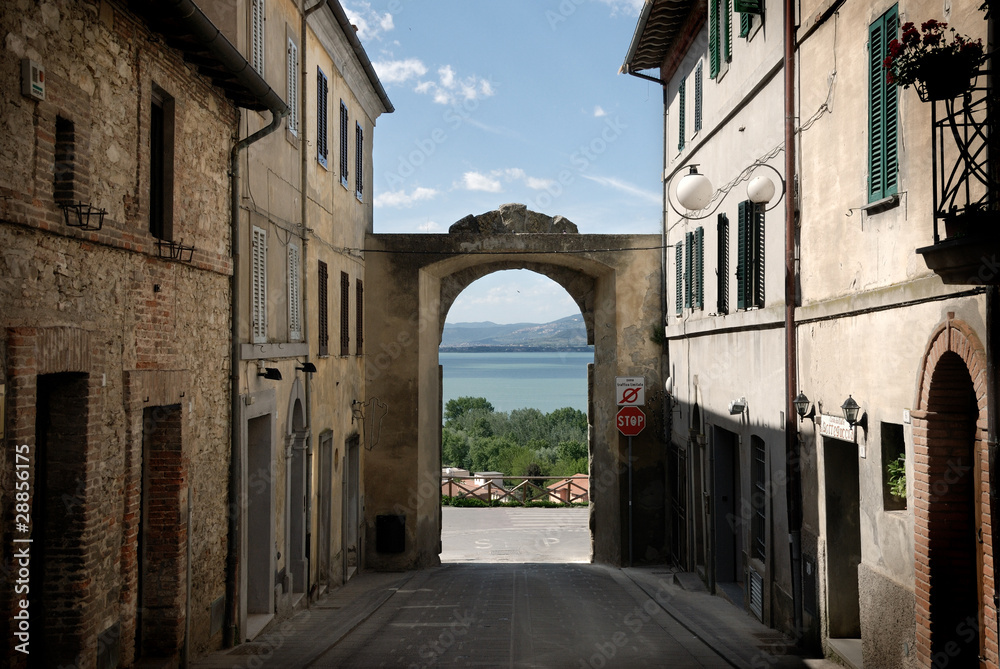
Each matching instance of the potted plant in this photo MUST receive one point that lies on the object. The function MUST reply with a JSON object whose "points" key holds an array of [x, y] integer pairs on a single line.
{"points": [[939, 67]]}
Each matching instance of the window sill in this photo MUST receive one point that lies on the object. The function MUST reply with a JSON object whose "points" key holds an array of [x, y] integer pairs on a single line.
{"points": [[343, 182], [273, 351], [878, 206]]}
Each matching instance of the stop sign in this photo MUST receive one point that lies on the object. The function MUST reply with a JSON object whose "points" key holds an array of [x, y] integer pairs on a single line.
{"points": [[630, 420]]}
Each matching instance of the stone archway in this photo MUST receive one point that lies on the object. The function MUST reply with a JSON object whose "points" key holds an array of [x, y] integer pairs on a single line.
{"points": [[953, 541], [615, 279]]}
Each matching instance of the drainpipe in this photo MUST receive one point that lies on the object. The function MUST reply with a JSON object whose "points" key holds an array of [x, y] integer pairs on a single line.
{"points": [[793, 489]]}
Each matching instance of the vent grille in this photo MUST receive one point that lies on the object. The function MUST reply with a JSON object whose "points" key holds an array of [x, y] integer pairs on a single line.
{"points": [[757, 594]]}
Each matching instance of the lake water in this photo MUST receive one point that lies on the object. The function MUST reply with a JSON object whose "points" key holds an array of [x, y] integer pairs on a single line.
{"points": [[543, 381]]}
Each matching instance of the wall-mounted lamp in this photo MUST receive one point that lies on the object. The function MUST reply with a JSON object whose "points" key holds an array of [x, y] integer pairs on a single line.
{"points": [[695, 192], [736, 407], [307, 367], [271, 373], [802, 407], [851, 410]]}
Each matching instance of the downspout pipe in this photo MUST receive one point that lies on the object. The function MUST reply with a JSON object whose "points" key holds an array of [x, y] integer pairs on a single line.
{"points": [[792, 460], [201, 28]]}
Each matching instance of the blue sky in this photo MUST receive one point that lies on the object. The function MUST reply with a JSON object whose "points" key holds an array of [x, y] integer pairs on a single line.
{"points": [[511, 101]]}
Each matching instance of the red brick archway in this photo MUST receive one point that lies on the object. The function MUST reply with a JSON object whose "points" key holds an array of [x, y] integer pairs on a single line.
{"points": [[956, 618]]}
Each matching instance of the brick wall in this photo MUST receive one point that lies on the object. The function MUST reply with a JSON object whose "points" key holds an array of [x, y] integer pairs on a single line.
{"points": [[955, 614]]}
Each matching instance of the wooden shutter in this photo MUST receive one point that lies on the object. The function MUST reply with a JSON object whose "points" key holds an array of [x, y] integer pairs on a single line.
{"points": [[688, 273], [359, 160], [343, 143], [679, 278], [257, 40], [699, 268], [345, 314], [713, 38], [258, 285], [746, 21], [294, 294], [742, 254], [757, 214], [749, 6], [727, 29], [697, 96], [293, 87], [722, 297], [322, 143], [324, 309], [681, 95], [882, 111], [359, 320]]}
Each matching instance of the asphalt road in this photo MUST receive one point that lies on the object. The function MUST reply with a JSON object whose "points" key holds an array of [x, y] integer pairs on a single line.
{"points": [[515, 535]]}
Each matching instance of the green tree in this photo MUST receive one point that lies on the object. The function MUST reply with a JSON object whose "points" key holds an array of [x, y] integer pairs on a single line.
{"points": [[454, 448], [456, 408]]}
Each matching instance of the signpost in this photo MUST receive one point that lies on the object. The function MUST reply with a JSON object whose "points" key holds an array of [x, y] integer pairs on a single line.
{"points": [[630, 420]]}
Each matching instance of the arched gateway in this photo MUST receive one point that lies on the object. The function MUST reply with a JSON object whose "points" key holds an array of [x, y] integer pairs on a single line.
{"points": [[414, 279]]}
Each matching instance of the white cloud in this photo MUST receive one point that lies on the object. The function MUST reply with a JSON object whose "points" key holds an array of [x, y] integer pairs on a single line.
{"points": [[481, 182], [625, 187], [399, 71], [371, 24], [450, 89], [631, 8], [429, 226], [599, 112], [513, 296], [400, 198]]}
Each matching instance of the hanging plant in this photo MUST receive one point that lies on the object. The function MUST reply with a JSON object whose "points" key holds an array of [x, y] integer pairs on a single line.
{"points": [[939, 67]]}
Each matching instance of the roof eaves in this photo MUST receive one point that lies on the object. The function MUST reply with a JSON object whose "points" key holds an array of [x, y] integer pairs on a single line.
{"points": [[658, 31], [359, 50]]}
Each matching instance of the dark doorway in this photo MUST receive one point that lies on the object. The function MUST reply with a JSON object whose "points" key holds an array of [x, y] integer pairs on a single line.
{"points": [[325, 502], [843, 537], [298, 483], [955, 548], [260, 520], [351, 484], [57, 506], [727, 522]]}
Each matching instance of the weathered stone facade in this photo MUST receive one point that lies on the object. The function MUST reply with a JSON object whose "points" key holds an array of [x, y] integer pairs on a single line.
{"points": [[114, 358]]}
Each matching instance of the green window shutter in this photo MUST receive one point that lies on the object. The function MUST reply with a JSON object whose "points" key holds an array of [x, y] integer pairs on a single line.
{"points": [[882, 111], [688, 261], [742, 254], [757, 212], [722, 296], [681, 95], [713, 38], [727, 31], [699, 268], [749, 6], [745, 22], [698, 96], [679, 278]]}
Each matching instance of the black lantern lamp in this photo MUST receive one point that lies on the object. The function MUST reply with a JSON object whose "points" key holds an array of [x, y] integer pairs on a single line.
{"points": [[851, 411], [802, 403], [307, 367], [270, 373]]}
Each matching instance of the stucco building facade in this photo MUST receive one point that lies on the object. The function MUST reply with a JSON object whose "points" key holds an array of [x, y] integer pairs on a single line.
{"points": [[881, 579]]}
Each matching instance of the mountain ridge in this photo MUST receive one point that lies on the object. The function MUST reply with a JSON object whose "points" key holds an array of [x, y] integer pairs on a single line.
{"points": [[564, 334]]}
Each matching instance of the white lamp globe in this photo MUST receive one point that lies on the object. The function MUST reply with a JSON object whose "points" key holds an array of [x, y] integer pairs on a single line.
{"points": [[760, 190], [694, 191]]}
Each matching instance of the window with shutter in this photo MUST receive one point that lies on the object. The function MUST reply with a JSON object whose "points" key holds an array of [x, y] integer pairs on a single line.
{"points": [[343, 144], [697, 97], [359, 160], [258, 285], [757, 213], [750, 262], [324, 309], [294, 296], [322, 143], [699, 269], [679, 278], [345, 314], [722, 297], [359, 320], [882, 110], [746, 21], [688, 275], [758, 526], [680, 114], [257, 16], [727, 29], [293, 87], [714, 61], [742, 254]]}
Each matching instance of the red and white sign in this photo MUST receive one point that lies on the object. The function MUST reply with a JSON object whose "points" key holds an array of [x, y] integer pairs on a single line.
{"points": [[630, 390], [836, 427], [630, 420]]}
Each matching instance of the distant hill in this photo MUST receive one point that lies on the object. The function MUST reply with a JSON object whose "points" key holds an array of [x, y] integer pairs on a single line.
{"points": [[565, 334]]}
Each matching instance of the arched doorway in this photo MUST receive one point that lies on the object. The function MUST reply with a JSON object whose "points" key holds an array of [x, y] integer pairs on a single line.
{"points": [[952, 542], [615, 280], [515, 396]]}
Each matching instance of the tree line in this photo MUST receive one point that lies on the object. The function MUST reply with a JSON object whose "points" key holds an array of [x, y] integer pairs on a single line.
{"points": [[523, 442]]}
